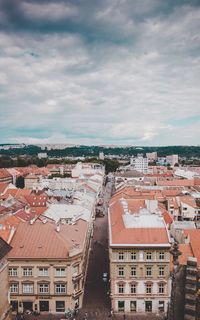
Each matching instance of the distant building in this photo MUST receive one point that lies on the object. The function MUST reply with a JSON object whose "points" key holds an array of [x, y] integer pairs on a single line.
{"points": [[30, 180], [5, 176], [4, 303], [101, 156], [151, 156], [172, 159], [139, 163], [42, 155]]}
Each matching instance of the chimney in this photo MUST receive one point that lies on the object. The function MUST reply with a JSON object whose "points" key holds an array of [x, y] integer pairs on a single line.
{"points": [[58, 228]]}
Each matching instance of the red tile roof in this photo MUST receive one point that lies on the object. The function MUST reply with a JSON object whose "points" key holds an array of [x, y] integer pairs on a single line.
{"points": [[4, 174], [194, 239], [176, 182], [120, 235], [41, 240], [3, 187]]}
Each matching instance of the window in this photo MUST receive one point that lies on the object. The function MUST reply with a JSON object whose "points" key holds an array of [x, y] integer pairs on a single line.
{"points": [[148, 288], [14, 288], [60, 272], [133, 255], [149, 255], [133, 271], [27, 288], [121, 255], [60, 306], [60, 288], [148, 271], [120, 288], [120, 271], [161, 306], [133, 306], [43, 288], [43, 272], [133, 288], [161, 288], [161, 271], [13, 272], [27, 272], [120, 306], [161, 255]]}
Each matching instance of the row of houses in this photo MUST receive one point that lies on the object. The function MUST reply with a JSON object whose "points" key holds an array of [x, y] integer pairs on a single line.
{"points": [[49, 229]]}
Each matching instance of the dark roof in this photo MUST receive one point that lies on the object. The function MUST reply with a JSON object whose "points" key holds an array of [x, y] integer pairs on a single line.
{"points": [[4, 248]]}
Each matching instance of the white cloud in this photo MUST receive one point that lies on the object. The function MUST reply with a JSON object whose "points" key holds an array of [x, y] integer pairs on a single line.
{"points": [[84, 92], [49, 11]]}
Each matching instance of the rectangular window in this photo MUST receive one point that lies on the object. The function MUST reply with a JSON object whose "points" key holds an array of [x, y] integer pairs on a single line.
{"points": [[60, 288], [148, 271], [14, 288], [27, 272], [133, 306], [60, 306], [161, 288], [161, 255], [148, 288], [120, 306], [149, 255], [133, 288], [161, 306], [161, 271], [60, 272], [13, 272], [43, 288], [43, 272], [121, 255], [133, 271], [133, 255], [27, 288], [120, 271], [121, 288]]}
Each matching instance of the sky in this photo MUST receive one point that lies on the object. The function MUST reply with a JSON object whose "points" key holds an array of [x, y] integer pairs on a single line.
{"points": [[95, 72]]}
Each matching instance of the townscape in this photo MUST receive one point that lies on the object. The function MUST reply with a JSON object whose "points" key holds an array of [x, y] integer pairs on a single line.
{"points": [[97, 245]]}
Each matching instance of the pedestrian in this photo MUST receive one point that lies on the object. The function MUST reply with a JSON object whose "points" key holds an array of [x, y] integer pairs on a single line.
{"points": [[124, 317]]}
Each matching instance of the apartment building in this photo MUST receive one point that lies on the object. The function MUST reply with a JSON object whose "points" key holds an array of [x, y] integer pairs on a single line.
{"points": [[172, 159], [4, 303], [47, 266], [140, 163], [139, 257]]}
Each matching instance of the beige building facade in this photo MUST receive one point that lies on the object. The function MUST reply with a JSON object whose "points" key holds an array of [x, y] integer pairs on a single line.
{"points": [[53, 281], [139, 257], [4, 292]]}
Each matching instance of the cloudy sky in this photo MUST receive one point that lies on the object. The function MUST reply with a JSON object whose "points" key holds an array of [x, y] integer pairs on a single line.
{"points": [[100, 71]]}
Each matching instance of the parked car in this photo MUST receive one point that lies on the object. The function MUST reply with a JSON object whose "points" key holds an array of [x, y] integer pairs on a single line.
{"points": [[105, 277]]}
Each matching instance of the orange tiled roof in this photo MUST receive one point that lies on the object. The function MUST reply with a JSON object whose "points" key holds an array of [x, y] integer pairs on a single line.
{"points": [[3, 187], [186, 251], [4, 174], [41, 240], [188, 200], [121, 235], [194, 238], [176, 182]]}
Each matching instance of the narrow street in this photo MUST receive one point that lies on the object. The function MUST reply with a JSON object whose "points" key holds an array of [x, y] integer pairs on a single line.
{"points": [[96, 299]]}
